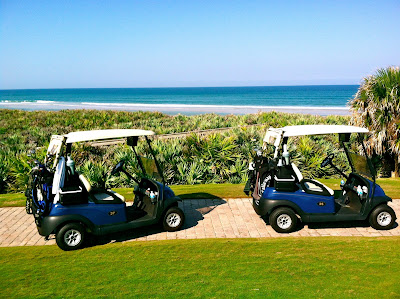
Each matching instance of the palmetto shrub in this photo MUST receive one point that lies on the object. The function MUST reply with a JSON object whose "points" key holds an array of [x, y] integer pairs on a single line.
{"points": [[214, 158], [308, 152], [96, 173], [238, 172], [4, 171], [191, 173], [19, 172]]}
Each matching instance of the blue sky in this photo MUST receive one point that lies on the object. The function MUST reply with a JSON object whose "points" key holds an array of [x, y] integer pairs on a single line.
{"points": [[67, 44]]}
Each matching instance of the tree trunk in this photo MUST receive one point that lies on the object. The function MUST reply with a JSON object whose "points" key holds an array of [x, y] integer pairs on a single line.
{"points": [[388, 164], [396, 167]]}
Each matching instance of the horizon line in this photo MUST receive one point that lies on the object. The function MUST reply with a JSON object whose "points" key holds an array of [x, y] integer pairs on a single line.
{"points": [[160, 87]]}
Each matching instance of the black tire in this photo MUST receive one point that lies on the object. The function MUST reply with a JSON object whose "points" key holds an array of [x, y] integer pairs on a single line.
{"points": [[173, 219], [283, 220], [382, 217], [71, 236]]}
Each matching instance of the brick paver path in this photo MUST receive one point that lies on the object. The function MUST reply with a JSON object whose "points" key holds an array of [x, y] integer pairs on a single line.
{"points": [[208, 218]]}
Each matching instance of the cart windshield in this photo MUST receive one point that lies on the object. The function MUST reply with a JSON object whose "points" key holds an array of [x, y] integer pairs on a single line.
{"points": [[150, 168], [361, 165]]}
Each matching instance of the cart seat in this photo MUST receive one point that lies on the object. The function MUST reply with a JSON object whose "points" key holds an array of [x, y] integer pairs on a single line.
{"points": [[100, 195], [312, 186]]}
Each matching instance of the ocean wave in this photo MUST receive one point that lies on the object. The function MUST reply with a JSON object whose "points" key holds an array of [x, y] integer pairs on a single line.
{"points": [[186, 106], [177, 108], [27, 101], [170, 106], [44, 102]]}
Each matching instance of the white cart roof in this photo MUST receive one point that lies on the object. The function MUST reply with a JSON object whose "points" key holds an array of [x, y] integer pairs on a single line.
{"points": [[290, 131], [320, 130], [274, 135], [105, 134]]}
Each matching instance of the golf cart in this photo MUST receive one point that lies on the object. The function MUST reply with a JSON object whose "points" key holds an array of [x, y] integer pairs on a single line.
{"points": [[64, 203], [281, 193]]}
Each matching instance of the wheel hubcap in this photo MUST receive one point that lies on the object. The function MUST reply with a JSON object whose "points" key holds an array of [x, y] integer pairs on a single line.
{"points": [[384, 218], [173, 220], [72, 237], [284, 221]]}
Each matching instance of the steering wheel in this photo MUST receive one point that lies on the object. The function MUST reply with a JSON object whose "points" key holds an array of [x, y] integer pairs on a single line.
{"points": [[327, 160], [117, 168]]}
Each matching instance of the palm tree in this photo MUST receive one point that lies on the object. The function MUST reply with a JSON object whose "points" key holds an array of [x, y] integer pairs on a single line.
{"points": [[376, 106]]}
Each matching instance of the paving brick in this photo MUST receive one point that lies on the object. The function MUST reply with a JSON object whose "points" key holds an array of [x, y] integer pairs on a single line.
{"points": [[4, 212], [206, 218]]}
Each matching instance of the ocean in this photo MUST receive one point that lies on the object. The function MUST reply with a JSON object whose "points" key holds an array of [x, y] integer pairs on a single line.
{"points": [[321, 99]]}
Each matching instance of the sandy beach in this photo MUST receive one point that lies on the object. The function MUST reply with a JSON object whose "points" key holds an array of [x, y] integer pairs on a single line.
{"points": [[176, 108]]}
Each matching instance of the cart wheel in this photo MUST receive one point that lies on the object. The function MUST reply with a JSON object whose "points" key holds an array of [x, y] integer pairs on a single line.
{"points": [[283, 220], [382, 217], [71, 236], [173, 219]]}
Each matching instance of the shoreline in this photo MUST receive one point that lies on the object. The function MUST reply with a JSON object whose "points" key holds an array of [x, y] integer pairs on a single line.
{"points": [[175, 108]]}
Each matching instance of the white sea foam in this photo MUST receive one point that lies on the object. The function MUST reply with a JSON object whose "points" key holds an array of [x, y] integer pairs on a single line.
{"points": [[175, 108], [44, 102], [28, 102], [188, 106], [183, 106]]}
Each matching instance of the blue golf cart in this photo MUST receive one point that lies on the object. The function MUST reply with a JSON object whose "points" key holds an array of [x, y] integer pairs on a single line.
{"points": [[281, 193], [64, 203]]}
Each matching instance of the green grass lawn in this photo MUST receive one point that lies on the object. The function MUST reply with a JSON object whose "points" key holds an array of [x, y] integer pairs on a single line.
{"points": [[232, 268], [390, 185]]}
